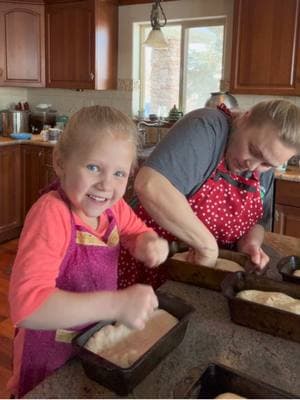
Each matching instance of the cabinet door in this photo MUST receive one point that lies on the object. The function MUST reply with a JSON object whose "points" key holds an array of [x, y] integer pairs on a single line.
{"points": [[22, 47], [32, 161], [70, 45], [47, 171], [10, 217], [287, 220], [266, 51]]}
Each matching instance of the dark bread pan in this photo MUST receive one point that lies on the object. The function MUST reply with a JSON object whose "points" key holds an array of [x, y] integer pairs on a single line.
{"points": [[258, 316], [286, 266], [218, 379], [123, 380], [202, 276]]}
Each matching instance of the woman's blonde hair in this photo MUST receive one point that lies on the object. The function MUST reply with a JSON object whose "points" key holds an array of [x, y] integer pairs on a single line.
{"points": [[283, 115], [87, 124]]}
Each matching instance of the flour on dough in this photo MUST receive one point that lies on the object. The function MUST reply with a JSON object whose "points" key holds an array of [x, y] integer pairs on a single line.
{"points": [[123, 346], [272, 299], [296, 272]]}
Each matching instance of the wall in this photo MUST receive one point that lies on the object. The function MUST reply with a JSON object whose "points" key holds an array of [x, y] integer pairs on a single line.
{"points": [[126, 97]]}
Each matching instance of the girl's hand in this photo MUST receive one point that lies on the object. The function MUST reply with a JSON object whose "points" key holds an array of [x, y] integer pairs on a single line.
{"points": [[135, 305], [151, 249], [195, 257]]}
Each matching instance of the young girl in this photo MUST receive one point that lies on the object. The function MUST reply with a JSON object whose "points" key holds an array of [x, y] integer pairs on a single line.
{"points": [[65, 273]]}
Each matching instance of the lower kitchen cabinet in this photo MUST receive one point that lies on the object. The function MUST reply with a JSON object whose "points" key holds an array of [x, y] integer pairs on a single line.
{"points": [[10, 190], [287, 208], [37, 173]]}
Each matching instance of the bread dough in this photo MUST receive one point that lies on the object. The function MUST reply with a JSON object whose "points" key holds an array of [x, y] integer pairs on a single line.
{"points": [[229, 395], [296, 273], [123, 346], [222, 263], [271, 299]]}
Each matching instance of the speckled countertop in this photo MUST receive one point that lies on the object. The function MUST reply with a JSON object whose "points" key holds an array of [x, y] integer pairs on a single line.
{"points": [[291, 174], [210, 337]]}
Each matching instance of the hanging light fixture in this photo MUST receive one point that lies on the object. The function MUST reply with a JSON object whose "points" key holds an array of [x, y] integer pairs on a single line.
{"points": [[158, 19]]}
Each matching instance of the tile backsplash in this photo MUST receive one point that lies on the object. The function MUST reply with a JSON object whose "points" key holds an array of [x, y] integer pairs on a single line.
{"points": [[68, 101]]}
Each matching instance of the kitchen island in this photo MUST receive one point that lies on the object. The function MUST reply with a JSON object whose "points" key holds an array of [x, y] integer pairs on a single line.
{"points": [[211, 337]]}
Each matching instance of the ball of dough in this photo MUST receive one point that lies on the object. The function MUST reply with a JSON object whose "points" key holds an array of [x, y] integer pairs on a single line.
{"points": [[123, 346], [222, 263], [229, 395], [271, 299], [296, 273]]}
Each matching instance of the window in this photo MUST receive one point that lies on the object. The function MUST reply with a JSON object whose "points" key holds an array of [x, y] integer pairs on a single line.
{"points": [[187, 72]]}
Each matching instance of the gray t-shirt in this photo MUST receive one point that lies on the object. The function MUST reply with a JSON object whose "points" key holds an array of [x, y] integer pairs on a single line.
{"points": [[191, 151]]}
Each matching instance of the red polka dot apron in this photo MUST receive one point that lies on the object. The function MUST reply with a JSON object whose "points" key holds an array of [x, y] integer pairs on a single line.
{"points": [[228, 205]]}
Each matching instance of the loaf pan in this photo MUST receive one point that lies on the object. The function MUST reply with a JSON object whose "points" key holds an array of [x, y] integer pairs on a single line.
{"points": [[287, 266], [123, 380], [202, 276], [218, 379], [258, 316]]}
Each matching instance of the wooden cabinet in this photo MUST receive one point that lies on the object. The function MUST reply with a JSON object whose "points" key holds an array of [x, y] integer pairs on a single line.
{"points": [[266, 47], [10, 199], [287, 208], [81, 44], [22, 44], [37, 173]]}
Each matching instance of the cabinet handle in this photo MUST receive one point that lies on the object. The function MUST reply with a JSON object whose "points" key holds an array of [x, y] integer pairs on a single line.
{"points": [[92, 76], [276, 215], [40, 153]]}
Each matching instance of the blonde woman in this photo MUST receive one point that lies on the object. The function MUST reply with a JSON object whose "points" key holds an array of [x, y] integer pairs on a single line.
{"points": [[209, 182]]}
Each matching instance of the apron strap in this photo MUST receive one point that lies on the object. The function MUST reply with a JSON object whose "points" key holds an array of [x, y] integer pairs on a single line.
{"points": [[229, 179]]}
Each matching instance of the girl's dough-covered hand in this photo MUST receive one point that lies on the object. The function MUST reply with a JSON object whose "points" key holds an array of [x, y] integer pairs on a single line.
{"points": [[151, 249], [135, 305]]}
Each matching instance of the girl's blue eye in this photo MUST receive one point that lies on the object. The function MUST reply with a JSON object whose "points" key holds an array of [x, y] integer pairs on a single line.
{"points": [[93, 168], [120, 174]]}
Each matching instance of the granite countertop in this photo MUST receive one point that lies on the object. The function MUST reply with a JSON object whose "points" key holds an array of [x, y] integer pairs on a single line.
{"points": [[292, 173], [210, 337], [35, 140]]}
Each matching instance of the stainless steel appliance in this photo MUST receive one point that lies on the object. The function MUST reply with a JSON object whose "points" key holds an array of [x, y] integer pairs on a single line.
{"points": [[217, 98], [40, 117], [14, 121]]}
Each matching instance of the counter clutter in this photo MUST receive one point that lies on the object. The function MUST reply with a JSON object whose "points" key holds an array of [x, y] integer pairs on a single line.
{"points": [[210, 338]]}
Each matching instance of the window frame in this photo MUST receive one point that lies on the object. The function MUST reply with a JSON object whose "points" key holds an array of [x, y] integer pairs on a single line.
{"points": [[185, 25]]}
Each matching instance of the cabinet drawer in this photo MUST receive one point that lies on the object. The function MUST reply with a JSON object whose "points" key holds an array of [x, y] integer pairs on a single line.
{"points": [[288, 193]]}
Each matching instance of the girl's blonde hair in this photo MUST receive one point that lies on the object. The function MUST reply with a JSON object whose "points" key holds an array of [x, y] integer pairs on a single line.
{"points": [[89, 123], [283, 115]]}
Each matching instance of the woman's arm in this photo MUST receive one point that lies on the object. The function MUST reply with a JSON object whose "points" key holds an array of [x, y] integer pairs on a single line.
{"points": [[171, 210]]}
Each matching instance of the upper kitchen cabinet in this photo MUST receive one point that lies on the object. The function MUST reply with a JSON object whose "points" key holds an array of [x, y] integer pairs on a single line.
{"points": [[22, 48], [266, 47], [82, 44]]}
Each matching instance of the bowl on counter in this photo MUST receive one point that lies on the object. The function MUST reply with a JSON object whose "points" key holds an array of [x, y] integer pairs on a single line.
{"points": [[289, 268], [21, 136], [123, 380]]}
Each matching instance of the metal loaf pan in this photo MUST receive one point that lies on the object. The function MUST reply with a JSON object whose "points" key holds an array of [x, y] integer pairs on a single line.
{"points": [[218, 379], [123, 380], [258, 316], [286, 266], [200, 275]]}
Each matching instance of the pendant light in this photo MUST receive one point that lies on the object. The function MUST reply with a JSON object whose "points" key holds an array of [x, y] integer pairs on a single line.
{"points": [[156, 38]]}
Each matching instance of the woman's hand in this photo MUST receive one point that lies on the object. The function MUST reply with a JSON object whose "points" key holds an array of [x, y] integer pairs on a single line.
{"points": [[151, 249], [135, 305], [208, 260], [258, 257], [250, 244]]}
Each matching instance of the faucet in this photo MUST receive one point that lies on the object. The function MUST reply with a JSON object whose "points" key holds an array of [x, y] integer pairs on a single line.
{"points": [[143, 132]]}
